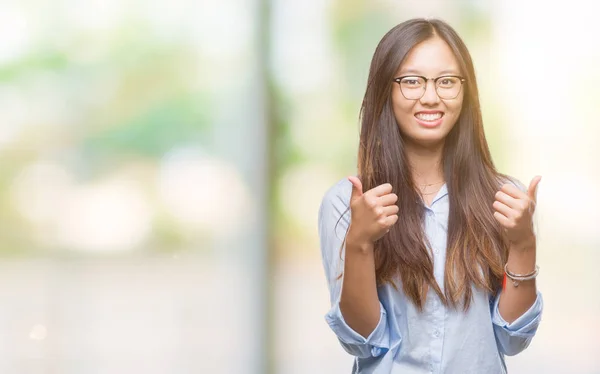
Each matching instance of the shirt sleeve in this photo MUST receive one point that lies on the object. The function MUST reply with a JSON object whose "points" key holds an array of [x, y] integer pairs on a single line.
{"points": [[333, 221], [514, 337]]}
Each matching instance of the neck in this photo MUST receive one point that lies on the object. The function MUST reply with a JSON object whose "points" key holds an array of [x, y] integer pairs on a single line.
{"points": [[425, 163]]}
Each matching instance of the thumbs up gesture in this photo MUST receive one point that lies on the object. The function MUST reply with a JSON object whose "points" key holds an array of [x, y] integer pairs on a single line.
{"points": [[373, 212], [514, 210]]}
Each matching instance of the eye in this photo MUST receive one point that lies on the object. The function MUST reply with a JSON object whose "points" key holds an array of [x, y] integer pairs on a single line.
{"points": [[411, 81], [447, 82]]}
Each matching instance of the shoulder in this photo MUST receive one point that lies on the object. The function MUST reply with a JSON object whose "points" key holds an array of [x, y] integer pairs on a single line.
{"points": [[336, 202], [507, 179], [338, 195], [334, 218]]}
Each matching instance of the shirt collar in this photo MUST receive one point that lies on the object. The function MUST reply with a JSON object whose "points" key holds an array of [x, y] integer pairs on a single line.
{"points": [[443, 191]]}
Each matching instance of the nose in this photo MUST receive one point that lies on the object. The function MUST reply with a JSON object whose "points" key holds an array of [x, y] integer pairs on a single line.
{"points": [[430, 96]]}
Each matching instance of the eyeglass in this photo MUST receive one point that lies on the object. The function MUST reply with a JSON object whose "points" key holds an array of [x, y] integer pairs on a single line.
{"points": [[413, 86]]}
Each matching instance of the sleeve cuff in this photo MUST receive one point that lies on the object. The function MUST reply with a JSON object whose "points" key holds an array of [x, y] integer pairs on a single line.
{"points": [[526, 324], [377, 342]]}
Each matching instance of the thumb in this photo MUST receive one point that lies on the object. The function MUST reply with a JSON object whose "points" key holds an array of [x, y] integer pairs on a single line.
{"points": [[532, 190], [357, 190]]}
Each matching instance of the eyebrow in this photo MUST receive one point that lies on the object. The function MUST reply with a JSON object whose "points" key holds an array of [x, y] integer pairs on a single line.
{"points": [[417, 72]]}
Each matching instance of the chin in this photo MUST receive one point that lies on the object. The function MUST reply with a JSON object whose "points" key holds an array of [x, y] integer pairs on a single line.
{"points": [[431, 141]]}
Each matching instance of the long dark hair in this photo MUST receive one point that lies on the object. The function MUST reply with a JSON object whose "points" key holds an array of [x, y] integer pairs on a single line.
{"points": [[476, 247]]}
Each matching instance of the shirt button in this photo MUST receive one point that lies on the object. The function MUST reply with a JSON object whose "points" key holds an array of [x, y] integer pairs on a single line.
{"points": [[436, 251], [436, 333]]}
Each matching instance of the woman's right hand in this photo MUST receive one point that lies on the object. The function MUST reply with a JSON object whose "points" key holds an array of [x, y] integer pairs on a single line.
{"points": [[373, 212]]}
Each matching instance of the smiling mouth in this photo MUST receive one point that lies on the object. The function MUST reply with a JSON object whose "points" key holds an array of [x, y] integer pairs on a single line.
{"points": [[429, 117]]}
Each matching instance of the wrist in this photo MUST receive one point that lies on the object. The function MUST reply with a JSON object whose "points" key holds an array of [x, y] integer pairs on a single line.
{"points": [[354, 244], [522, 256], [524, 244]]}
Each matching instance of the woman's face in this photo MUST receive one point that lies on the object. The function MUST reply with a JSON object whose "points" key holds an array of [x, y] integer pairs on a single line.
{"points": [[427, 121]]}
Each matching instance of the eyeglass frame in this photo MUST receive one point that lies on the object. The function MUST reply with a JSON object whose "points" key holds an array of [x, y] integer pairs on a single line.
{"points": [[461, 79]]}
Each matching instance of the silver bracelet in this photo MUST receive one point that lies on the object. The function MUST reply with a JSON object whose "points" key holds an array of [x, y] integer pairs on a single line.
{"points": [[518, 278]]}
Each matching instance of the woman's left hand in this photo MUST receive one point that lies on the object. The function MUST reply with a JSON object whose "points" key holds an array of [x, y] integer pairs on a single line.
{"points": [[514, 210]]}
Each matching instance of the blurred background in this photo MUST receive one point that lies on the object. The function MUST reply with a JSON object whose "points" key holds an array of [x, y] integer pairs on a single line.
{"points": [[162, 164]]}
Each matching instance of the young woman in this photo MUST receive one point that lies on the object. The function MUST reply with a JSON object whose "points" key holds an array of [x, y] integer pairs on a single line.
{"points": [[429, 252]]}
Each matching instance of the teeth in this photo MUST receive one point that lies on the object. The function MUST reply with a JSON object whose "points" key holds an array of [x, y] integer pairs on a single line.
{"points": [[429, 117]]}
